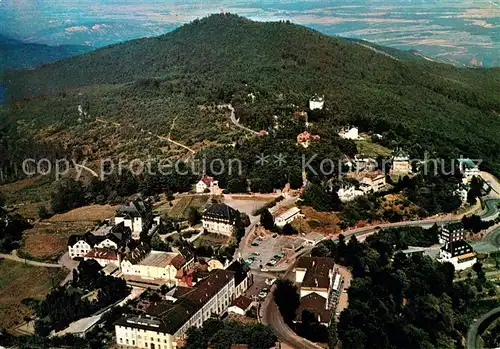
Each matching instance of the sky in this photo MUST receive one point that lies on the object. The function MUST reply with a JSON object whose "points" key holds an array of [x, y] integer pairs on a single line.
{"points": [[459, 31]]}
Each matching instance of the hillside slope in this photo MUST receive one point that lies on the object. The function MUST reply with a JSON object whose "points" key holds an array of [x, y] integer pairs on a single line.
{"points": [[419, 105], [20, 55]]}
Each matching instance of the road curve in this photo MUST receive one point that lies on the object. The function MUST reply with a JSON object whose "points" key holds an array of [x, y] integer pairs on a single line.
{"points": [[272, 317], [28, 261], [472, 334], [235, 121]]}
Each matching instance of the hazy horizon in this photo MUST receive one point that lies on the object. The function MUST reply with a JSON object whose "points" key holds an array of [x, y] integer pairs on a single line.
{"points": [[458, 31]]}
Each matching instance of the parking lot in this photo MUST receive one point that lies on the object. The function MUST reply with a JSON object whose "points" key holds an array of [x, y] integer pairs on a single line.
{"points": [[266, 248]]}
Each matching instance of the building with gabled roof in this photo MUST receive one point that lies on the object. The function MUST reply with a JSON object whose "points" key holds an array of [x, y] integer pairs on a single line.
{"points": [[166, 322], [137, 215], [155, 265], [459, 253], [219, 219], [206, 183]]}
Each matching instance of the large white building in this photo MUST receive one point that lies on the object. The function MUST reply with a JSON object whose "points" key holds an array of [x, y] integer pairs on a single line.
{"points": [[287, 217], [154, 265], [219, 219], [459, 253], [401, 164], [468, 168], [164, 323]]}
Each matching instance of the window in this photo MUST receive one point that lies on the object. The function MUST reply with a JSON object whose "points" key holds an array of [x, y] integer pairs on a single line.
{"points": [[127, 341]]}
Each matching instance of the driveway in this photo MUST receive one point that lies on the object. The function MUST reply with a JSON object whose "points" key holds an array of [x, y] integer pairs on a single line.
{"points": [[13, 257]]}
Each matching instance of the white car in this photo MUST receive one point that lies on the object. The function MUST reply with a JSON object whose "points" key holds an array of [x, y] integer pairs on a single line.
{"points": [[270, 281], [263, 294]]}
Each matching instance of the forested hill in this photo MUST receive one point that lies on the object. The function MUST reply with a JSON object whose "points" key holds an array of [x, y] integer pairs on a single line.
{"points": [[418, 104], [20, 55]]}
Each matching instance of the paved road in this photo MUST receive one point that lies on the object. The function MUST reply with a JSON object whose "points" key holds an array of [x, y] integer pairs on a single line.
{"points": [[472, 334], [271, 316], [13, 257], [236, 121]]}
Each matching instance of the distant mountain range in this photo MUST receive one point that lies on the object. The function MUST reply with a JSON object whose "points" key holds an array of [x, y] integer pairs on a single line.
{"points": [[20, 55]]}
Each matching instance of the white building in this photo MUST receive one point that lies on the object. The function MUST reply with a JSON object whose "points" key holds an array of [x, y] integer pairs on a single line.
{"points": [[287, 216], [243, 279], [219, 219], [137, 215], [317, 102], [207, 183], [459, 253], [81, 246], [401, 164], [373, 182], [166, 322], [155, 265], [349, 133], [452, 232], [240, 305], [348, 192], [468, 168]]}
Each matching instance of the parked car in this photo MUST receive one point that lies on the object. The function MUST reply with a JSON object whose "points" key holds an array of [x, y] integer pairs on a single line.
{"points": [[263, 294], [255, 244], [255, 254], [281, 254], [270, 281]]}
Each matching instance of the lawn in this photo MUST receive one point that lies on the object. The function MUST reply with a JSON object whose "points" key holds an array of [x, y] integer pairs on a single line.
{"points": [[47, 240], [19, 281], [180, 209], [368, 148]]}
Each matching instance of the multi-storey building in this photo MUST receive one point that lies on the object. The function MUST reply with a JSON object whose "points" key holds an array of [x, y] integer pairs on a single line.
{"points": [[166, 322], [219, 219], [459, 253], [452, 232]]}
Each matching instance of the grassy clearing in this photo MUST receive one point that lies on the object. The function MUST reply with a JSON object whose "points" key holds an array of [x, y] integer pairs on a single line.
{"points": [[180, 209], [28, 190], [367, 147], [19, 281]]}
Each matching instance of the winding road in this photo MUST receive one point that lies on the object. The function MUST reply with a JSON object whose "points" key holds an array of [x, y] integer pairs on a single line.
{"points": [[15, 258], [473, 334], [236, 121]]}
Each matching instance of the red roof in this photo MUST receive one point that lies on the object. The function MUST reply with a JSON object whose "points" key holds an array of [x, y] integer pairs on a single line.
{"points": [[102, 253], [207, 180], [178, 261], [242, 302]]}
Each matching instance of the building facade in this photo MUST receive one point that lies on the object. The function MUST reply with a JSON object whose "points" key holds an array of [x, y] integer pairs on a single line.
{"points": [[459, 253], [166, 322], [452, 232], [287, 216], [219, 219]]}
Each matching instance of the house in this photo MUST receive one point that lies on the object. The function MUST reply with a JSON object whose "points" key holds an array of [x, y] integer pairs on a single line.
{"points": [[468, 168], [166, 322], [208, 184], [137, 215], [317, 102], [305, 138], [400, 163], [319, 287], [459, 253], [287, 216], [81, 246], [316, 305], [347, 192], [364, 163], [373, 182], [315, 275], [462, 192], [240, 305], [243, 279], [452, 232], [219, 219], [155, 265], [349, 133]]}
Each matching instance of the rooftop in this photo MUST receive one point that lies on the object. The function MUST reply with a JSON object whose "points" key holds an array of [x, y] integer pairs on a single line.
{"points": [[317, 271], [316, 305], [289, 213], [220, 211], [102, 253], [161, 259], [242, 302]]}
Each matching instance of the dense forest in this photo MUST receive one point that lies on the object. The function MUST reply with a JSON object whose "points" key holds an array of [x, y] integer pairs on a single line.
{"points": [[267, 71]]}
